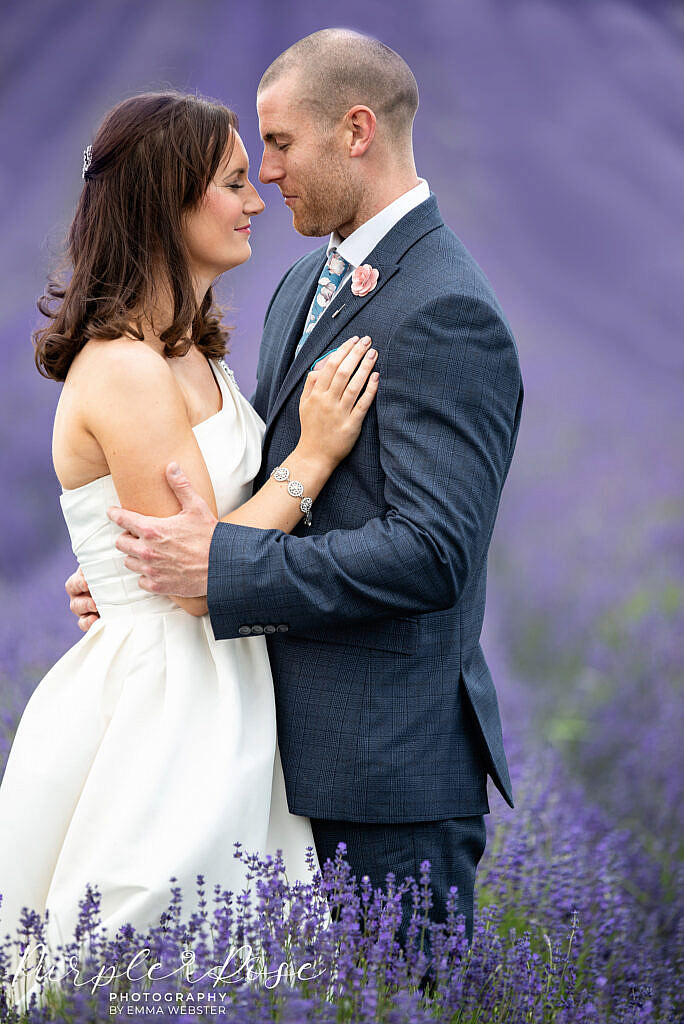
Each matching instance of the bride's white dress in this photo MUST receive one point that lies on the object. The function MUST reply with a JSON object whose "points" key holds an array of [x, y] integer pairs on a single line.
{"points": [[150, 748]]}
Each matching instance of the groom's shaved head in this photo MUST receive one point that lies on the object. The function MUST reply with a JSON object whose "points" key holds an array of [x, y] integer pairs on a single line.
{"points": [[338, 68], [335, 172]]}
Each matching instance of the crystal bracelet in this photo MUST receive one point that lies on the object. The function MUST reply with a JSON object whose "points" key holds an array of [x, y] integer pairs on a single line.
{"points": [[296, 489]]}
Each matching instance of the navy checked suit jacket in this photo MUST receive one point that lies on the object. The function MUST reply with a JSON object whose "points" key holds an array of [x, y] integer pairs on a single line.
{"points": [[386, 708]]}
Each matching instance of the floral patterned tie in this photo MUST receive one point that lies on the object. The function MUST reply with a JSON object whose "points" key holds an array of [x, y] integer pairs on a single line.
{"points": [[331, 275]]}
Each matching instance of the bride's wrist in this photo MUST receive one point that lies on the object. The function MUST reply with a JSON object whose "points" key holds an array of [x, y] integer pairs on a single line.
{"points": [[313, 463], [306, 472]]}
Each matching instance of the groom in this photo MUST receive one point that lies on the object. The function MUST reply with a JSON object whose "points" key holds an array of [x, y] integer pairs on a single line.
{"points": [[388, 720]]}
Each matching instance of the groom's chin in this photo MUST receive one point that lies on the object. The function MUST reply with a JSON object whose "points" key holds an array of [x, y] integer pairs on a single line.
{"points": [[307, 229]]}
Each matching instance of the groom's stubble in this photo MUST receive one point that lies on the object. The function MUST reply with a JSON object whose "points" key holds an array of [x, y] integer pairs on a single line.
{"points": [[311, 166], [329, 197]]}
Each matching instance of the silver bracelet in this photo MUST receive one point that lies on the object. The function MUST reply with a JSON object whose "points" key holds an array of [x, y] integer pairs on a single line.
{"points": [[296, 489]]}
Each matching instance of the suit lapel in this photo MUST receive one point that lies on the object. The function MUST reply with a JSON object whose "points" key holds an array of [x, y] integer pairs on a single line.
{"points": [[385, 258], [324, 333], [297, 318]]}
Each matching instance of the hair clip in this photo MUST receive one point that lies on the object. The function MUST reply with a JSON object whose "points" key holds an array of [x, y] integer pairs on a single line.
{"points": [[87, 160]]}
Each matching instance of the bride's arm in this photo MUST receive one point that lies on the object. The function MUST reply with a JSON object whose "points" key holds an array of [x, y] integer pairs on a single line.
{"points": [[329, 430], [136, 412]]}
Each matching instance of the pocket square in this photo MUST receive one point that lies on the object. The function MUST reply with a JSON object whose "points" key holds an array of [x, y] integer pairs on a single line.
{"points": [[324, 356]]}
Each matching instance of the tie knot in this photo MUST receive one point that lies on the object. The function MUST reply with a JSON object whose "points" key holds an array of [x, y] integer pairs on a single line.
{"points": [[336, 266]]}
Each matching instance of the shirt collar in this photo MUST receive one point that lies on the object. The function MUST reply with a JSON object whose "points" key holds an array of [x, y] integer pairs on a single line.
{"points": [[357, 246]]}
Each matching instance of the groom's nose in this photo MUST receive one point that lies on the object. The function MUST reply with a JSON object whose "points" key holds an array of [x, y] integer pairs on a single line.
{"points": [[271, 168]]}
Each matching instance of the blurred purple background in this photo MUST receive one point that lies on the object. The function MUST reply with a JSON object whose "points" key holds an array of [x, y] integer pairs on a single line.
{"points": [[553, 135]]}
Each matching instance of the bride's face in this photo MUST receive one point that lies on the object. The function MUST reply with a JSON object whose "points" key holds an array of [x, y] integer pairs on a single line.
{"points": [[217, 232]]}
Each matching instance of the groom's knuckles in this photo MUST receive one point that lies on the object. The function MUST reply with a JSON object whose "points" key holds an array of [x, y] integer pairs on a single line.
{"points": [[76, 584], [86, 606], [81, 606], [141, 566], [125, 543], [150, 580], [134, 524], [138, 547], [144, 531]]}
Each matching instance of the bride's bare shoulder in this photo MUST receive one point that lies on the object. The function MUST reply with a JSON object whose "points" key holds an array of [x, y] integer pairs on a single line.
{"points": [[123, 355], [120, 365], [117, 384]]}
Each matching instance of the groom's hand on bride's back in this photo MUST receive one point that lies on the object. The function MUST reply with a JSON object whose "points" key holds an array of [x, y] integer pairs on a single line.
{"points": [[81, 603]]}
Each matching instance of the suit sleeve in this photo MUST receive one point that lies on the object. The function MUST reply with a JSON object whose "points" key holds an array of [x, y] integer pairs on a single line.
{"points": [[448, 410]]}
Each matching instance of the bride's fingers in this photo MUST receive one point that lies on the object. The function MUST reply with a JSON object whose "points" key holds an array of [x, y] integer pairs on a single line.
{"points": [[335, 359], [357, 382], [311, 379], [366, 400], [348, 365]]}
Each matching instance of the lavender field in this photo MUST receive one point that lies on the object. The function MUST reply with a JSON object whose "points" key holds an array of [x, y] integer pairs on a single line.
{"points": [[552, 133]]}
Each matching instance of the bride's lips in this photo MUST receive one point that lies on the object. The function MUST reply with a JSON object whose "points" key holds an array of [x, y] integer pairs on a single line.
{"points": [[246, 230]]}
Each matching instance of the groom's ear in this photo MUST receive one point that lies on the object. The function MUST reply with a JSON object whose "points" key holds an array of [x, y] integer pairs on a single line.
{"points": [[361, 122]]}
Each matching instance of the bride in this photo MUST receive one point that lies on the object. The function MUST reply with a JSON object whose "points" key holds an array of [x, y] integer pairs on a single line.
{"points": [[150, 748]]}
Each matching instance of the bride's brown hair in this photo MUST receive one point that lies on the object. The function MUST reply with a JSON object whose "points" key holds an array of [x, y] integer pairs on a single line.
{"points": [[152, 160]]}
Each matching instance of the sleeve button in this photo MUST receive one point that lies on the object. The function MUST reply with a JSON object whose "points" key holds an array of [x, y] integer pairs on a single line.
{"points": [[269, 629], [282, 627], [257, 630], [245, 630]]}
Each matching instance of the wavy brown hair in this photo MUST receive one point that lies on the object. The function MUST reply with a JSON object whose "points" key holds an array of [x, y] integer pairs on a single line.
{"points": [[153, 159]]}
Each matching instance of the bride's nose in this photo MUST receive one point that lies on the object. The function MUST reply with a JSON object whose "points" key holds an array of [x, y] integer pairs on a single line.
{"points": [[254, 204]]}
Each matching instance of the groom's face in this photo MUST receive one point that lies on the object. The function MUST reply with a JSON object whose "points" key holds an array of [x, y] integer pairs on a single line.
{"points": [[306, 160]]}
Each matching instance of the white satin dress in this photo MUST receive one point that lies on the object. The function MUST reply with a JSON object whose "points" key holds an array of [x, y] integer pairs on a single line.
{"points": [[150, 748]]}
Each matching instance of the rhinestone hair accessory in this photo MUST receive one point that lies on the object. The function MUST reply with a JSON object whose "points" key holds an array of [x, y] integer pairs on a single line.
{"points": [[87, 160]]}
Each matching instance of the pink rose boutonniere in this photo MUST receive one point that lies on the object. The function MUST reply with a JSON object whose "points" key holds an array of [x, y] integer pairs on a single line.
{"points": [[364, 279]]}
